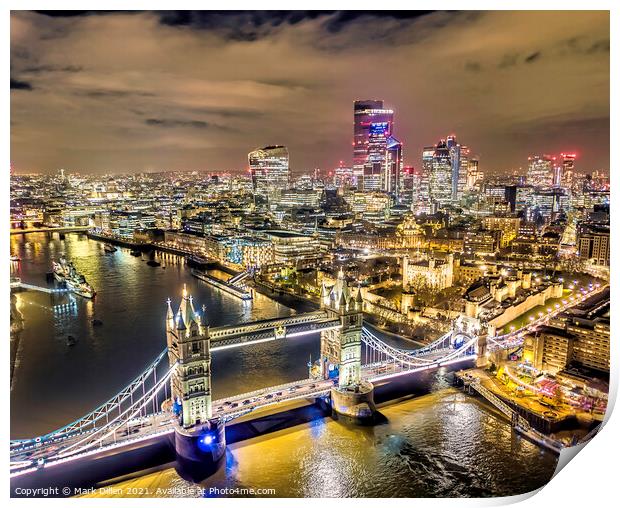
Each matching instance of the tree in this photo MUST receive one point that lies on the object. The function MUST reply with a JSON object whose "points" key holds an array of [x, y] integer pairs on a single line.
{"points": [[425, 294]]}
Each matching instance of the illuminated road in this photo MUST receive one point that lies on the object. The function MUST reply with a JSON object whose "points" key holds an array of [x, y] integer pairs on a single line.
{"points": [[515, 337]]}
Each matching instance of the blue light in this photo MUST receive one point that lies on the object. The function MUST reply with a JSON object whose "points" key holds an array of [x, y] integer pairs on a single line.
{"points": [[205, 441]]}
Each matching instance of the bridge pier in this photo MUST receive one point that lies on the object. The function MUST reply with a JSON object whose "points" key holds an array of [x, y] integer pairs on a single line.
{"points": [[354, 404], [200, 450]]}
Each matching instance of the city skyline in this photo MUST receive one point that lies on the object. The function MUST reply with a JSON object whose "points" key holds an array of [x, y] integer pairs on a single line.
{"points": [[157, 110]]}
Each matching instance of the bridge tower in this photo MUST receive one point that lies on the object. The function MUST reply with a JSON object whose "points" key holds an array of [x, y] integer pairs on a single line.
{"points": [[199, 439], [341, 353], [466, 328]]}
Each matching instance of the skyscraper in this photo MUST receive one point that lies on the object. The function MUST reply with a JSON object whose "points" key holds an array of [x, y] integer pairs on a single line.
{"points": [[437, 161], [410, 188], [568, 170], [269, 167], [392, 181], [459, 160], [540, 171], [372, 126], [473, 174]]}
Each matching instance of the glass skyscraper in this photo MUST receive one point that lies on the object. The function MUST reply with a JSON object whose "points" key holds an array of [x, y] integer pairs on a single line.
{"points": [[393, 176], [269, 167], [372, 127], [540, 171], [439, 167]]}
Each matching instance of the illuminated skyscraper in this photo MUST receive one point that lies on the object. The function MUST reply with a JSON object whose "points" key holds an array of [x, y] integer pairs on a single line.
{"points": [[372, 126], [459, 160], [393, 175], [343, 176], [411, 188], [473, 174], [568, 170], [270, 169], [437, 161], [540, 171]]}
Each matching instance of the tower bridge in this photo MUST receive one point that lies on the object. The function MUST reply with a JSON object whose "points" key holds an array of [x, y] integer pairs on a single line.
{"points": [[178, 402], [176, 406]]}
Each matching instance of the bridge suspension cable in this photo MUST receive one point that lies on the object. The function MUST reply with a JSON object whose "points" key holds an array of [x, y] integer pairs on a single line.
{"points": [[408, 356], [102, 412], [113, 426]]}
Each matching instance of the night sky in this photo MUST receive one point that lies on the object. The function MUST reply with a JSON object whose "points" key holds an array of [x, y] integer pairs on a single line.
{"points": [[131, 92]]}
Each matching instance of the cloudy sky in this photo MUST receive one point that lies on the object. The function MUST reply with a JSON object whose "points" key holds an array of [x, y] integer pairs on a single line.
{"points": [[129, 92]]}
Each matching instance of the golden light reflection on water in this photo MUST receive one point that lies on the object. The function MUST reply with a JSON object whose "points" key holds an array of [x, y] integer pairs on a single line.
{"points": [[441, 444]]}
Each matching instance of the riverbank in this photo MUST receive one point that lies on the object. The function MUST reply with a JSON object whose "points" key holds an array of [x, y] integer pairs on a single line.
{"points": [[17, 325], [296, 302], [559, 422]]}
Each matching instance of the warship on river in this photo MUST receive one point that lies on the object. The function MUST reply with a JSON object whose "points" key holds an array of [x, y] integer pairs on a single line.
{"points": [[65, 271]]}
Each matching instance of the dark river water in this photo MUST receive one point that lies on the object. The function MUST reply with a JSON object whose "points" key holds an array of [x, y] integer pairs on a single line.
{"points": [[443, 443]]}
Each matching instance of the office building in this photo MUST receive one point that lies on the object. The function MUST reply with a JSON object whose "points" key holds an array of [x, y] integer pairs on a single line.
{"points": [[269, 167], [372, 125], [438, 163], [593, 243], [540, 171], [392, 181]]}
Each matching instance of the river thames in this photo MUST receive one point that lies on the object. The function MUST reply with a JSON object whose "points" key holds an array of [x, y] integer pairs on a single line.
{"points": [[439, 443]]}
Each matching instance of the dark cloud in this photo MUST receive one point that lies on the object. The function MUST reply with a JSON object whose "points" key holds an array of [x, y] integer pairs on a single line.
{"points": [[231, 113], [174, 123], [76, 14], [51, 68], [473, 66], [563, 125], [508, 60], [250, 26], [16, 84], [102, 93], [599, 46], [532, 57]]}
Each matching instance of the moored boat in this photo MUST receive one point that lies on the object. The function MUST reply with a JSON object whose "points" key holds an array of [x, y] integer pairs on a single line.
{"points": [[80, 287], [197, 261], [109, 248], [65, 271], [61, 269]]}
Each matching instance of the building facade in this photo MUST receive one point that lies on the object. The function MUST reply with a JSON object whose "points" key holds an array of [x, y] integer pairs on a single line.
{"points": [[269, 167], [372, 125]]}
